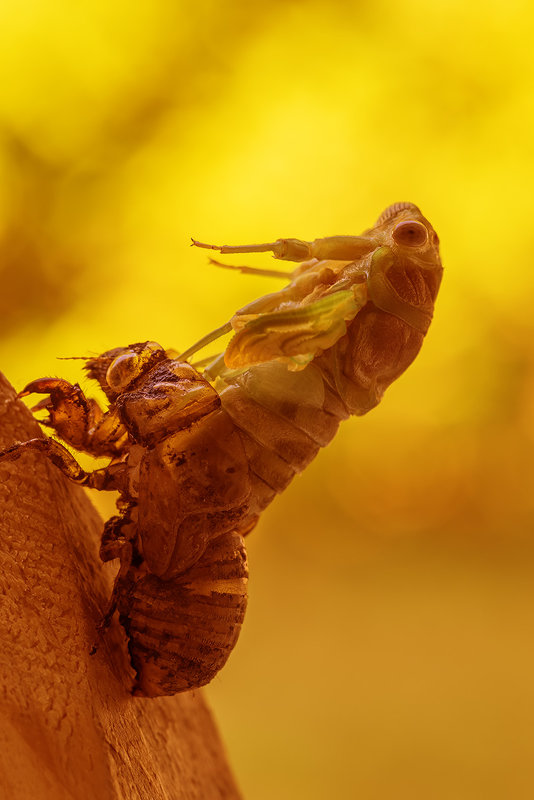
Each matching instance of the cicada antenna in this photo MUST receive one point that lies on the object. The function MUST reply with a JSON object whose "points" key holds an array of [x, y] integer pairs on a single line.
{"points": [[77, 358]]}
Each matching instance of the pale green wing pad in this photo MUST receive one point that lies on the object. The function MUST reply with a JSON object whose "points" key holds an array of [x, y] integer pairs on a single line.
{"points": [[293, 335]]}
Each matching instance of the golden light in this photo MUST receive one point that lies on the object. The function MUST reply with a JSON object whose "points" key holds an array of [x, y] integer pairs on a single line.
{"points": [[387, 650]]}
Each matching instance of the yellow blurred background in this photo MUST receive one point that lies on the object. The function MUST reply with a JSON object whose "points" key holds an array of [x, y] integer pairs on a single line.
{"points": [[388, 650]]}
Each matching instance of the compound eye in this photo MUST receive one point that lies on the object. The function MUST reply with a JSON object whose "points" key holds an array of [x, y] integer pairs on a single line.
{"points": [[410, 233], [122, 371]]}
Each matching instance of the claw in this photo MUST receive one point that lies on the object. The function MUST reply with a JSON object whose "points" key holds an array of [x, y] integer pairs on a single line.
{"points": [[12, 453], [56, 452], [45, 404], [45, 386], [69, 412]]}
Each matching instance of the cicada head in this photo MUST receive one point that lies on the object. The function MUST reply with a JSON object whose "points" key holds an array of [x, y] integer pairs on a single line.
{"points": [[403, 228], [403, 282], [121, 368]]}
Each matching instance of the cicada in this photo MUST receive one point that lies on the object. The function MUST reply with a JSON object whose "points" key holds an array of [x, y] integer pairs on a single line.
{"points": [[197, 450]]}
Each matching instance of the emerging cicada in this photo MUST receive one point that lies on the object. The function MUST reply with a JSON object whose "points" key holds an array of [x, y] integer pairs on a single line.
{"points": [[196, 457]]}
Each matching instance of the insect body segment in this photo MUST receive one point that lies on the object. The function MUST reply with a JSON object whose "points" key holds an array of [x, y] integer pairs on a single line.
{"points": [[182, 631], [197, 457]]}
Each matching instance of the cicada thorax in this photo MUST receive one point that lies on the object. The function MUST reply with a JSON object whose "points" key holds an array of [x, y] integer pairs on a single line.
{"points": [[182, 630]]}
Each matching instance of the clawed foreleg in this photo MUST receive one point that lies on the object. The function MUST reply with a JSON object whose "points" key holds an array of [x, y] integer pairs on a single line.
{"points": [[106, 478], [79, 421]]}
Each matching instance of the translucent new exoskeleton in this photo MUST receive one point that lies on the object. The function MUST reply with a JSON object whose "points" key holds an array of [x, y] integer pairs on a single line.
{"points": [[197, 454]]}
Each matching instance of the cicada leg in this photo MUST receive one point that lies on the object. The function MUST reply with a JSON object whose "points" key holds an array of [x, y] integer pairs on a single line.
{"points": [[119, 584], [121, 580], [118, 541], [107, 478], [79, 421], [264, 273], [337, 248]]}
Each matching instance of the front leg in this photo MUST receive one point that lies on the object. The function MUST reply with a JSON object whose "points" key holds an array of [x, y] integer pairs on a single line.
{"points": [[77, 420], [110, 478]]}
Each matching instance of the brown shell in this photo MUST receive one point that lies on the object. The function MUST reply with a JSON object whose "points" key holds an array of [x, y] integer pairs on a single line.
{"points": [[181, 631], [193, 486]]}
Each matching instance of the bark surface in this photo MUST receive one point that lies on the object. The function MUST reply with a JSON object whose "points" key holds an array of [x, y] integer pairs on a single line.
{"points": [[69, 728]]}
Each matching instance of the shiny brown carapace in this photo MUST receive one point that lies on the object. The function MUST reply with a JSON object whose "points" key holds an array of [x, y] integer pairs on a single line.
{"points": [[197, 454]]}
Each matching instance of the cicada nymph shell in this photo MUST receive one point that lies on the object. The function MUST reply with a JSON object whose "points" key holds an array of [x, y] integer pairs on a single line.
{"points": [[181, 631]]}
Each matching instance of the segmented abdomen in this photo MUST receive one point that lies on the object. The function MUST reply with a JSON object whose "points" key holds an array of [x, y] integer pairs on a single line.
{"points": [[284, 418], [181, 631]]}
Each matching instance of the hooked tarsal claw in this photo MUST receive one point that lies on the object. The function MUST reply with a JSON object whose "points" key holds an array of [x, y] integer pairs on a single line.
{"points": [[69, 411], [12, 453], [44, 386], [45, 404]]}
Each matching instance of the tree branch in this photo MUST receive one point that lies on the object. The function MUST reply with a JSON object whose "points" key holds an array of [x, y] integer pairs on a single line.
{"points": [[69, 728]]}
